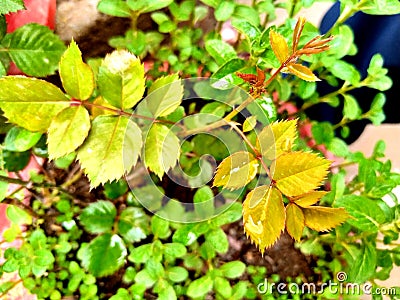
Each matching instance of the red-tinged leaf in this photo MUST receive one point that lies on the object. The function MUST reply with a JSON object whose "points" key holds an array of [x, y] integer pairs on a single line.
{"points": [[279, 46], [302, 72], [322, 218], [297, 173], [294, 221], [263, 216], [297, 32], [309, 199]]}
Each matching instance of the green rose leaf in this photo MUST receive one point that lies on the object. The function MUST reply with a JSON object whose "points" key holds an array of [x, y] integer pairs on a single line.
{"points": [[200, 287], [111, 149], [364, 265], [220, 50], [104, 255], [233, 269], [35, 49], [116, 8], [19, 139], [76, 76], [98, 217], [8, 6], [68, 131], [165, 95], [121, 79], [31, 103], [231, 66], [18, 216], [161, 149]]}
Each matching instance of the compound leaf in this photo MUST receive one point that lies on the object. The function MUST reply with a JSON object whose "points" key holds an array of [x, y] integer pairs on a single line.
{"points": [[67, 131], [112, 148], [162, 149], [35, 49], [104, 255], [263, 216], [297, 173], [98, 217], [165, 95], [279, 46], [76, 76], [31, 103], [277, 138], [322, 218], [121, 79], [294, 221], [236, 170]]}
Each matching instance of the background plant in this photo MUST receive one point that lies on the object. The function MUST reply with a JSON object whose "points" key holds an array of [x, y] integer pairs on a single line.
{"points": [[63, 248]]}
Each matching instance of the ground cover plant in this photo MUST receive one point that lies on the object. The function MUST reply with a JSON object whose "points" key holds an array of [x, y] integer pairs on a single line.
{"points": [[147, 173]]}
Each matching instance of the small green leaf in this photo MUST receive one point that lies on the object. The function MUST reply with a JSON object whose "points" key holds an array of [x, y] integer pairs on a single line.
{"points": [[175, 250], [223, 287], [98, 217], [338, 147], [233, 269], [177, 274], [35, 49], [364, 265], [345, 71], [218, 239], [104, 255], [162, 149], [18, 216], [376, 7], [9, 6], [76, 76], [249, 123], [165, 95], [224, 10], [220, 50], [67, 131], [19, 139], [203, 201], [351, 109], [141, 253], [376, 114], [145, 278], [160, 227], [31, 103], [116, 8], [153, 5], [231, 66], [111, 149], [133, 224], [43, 257], [200, 287], [366, 213], [121, 79], [246, 28]]}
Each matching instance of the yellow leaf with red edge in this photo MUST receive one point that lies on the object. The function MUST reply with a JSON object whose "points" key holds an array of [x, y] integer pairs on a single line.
{"points": [[277, 138], [294, 221], [309, 199], [263, 216], [322, 218], [279, 46], [302, 72], [236, 170], [297, 173]]}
